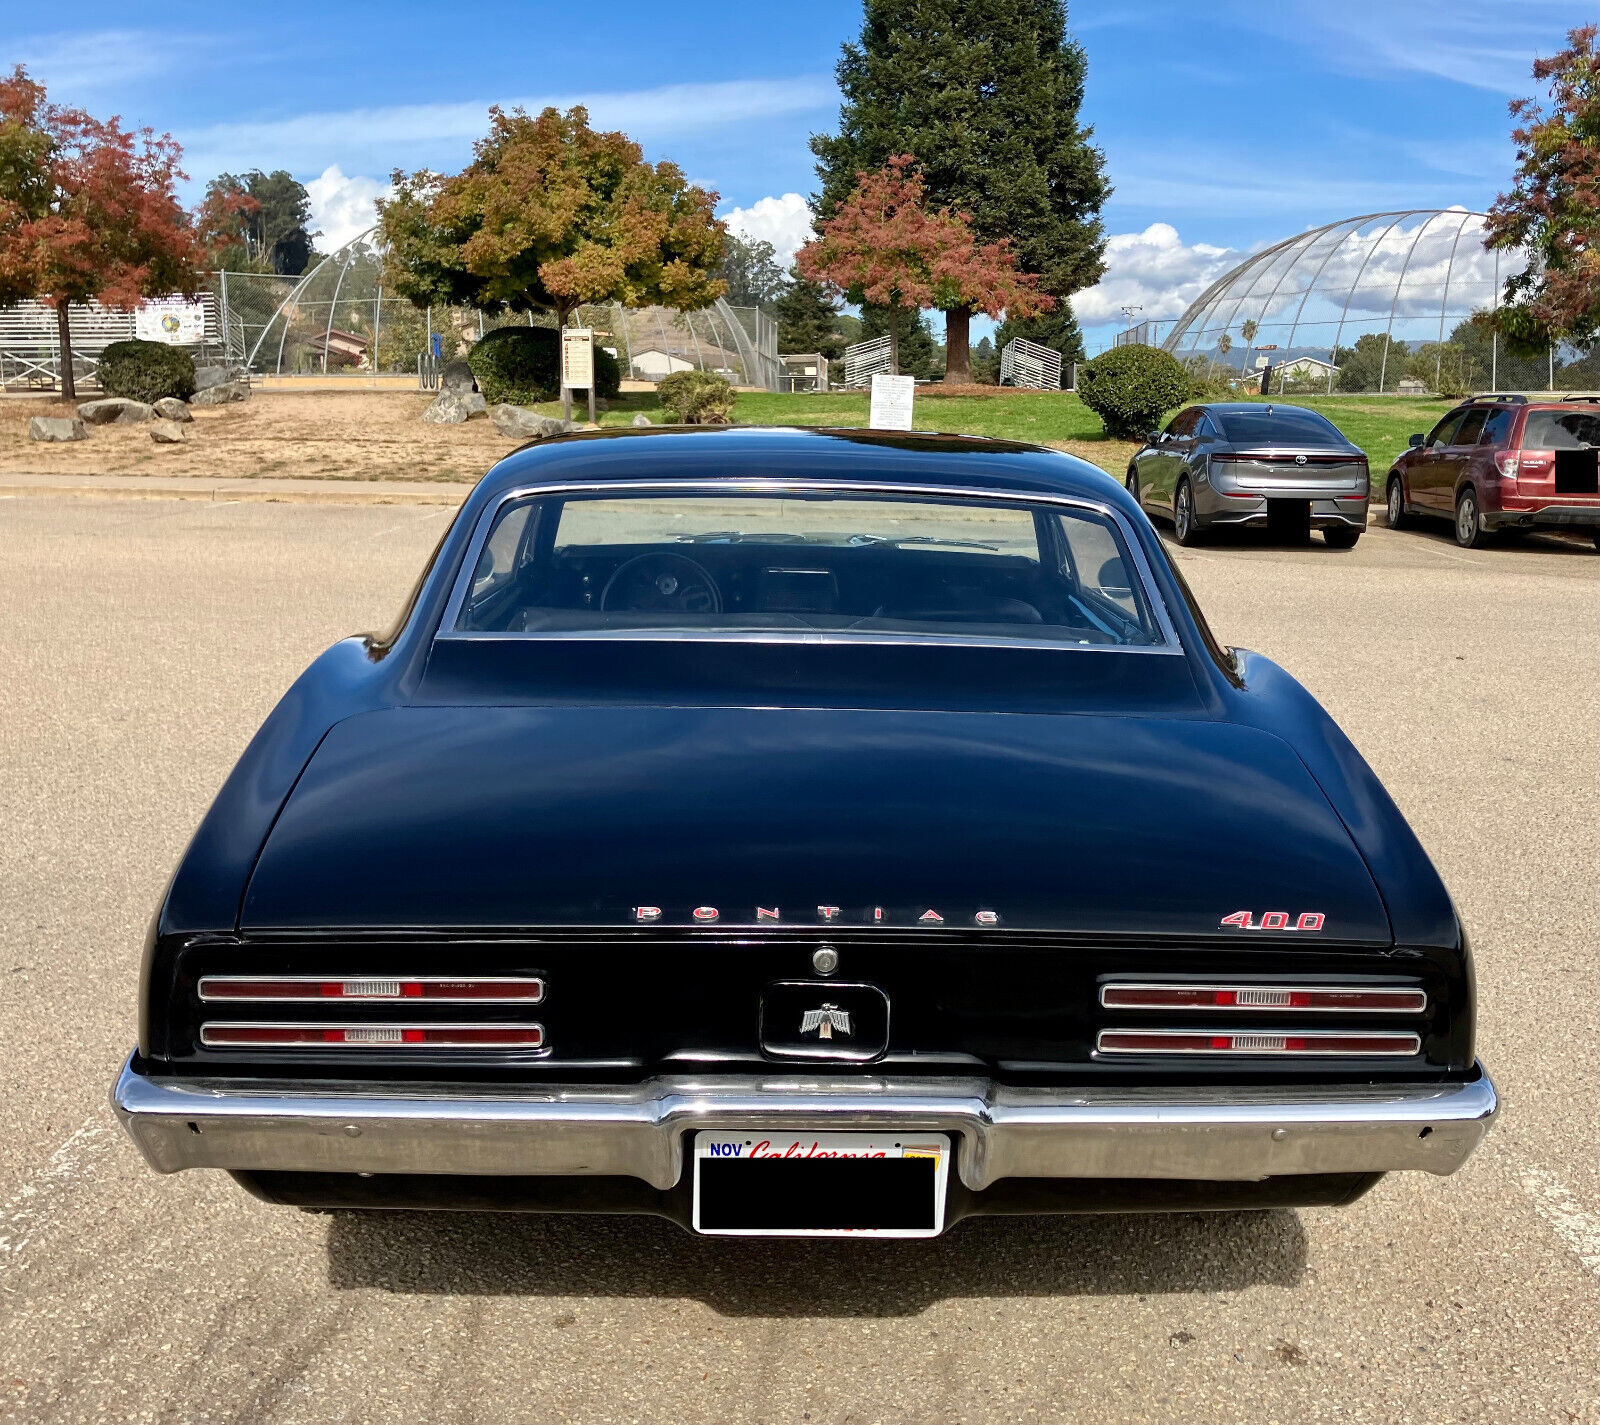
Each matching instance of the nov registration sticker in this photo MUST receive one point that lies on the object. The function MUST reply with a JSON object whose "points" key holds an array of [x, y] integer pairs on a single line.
{"points": [[754, 1184]]}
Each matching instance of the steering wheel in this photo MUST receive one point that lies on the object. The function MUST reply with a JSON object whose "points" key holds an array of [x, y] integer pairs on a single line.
{"points": [[651, 583]]}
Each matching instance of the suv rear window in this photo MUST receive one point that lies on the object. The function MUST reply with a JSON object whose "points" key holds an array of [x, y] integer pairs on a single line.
{"points": [[1561, 430], [1269, 426]]}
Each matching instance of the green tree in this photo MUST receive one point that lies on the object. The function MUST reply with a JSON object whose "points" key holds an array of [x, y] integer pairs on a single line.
{"points": [[1373, 359], [986, 95], [750, 268], [551, 214], [259, 222], [808, 320], [985, 363], [1056, 329], [1553, 211]]}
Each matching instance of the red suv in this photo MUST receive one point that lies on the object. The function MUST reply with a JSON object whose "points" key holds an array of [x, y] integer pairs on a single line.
{"points": [[1505, 463]]}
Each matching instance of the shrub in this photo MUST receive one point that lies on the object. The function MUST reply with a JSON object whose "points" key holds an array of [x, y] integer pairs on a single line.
{"points": [[146, 371], [1131, 387], [522, 366], [696, 398], [518, 365], [607, 374]]}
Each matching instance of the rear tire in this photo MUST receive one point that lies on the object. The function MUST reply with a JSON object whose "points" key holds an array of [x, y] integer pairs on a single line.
{"points": [[1470, 533], [1594, 534], [1341, 538], [1131, 485], [1397, 517], [1185, 526]]}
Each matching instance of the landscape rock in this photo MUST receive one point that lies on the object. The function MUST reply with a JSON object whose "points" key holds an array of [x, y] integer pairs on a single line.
{"points": [[57, 428], [116, 410], [222, 395], [641, 419], [521, 423], [453, 407], [457, 376], [205, 377], [169, 433], [170, 408]]}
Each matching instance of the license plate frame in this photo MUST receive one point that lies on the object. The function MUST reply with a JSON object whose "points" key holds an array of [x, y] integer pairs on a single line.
{"points": [[809, 1183]]}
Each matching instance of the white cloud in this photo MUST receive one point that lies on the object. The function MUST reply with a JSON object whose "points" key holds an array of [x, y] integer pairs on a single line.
{"points": [[1154, 270], [342, 208], [441, 133], [785, 222]]}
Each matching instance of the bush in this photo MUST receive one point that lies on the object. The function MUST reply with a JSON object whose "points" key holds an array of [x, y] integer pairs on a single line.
{"points": [[696, 398], [517, 365], [146, 371], [1131, 387], [522, 366]]}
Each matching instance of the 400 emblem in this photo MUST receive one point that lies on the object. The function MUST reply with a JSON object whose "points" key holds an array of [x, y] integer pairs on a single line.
{"points": [[1275, 920]]}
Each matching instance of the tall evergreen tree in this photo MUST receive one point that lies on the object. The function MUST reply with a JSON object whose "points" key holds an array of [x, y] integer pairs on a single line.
{"points": [[985, 94], [750, 268], [808, 319]]}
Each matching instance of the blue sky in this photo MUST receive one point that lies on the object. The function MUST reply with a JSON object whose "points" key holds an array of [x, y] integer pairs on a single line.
{"points": [[1227, 124]]}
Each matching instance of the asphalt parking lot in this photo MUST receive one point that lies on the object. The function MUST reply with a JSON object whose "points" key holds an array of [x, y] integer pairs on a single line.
{"points": [[144, 640]]}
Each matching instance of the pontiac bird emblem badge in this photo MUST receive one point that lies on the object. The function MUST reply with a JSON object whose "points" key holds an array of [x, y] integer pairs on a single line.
{"points": [[825, 1020]]}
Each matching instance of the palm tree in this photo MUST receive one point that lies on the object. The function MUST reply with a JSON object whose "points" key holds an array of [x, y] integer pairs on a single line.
{"points": [[1248, 332], [1224, 346]]}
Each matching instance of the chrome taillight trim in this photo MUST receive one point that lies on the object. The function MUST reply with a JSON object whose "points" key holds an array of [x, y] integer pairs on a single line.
{"points": [[209, 982], [373, 1034], [1245, 1042], [1410, 1000]]}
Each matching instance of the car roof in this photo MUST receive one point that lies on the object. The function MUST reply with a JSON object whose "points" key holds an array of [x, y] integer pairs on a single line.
{"points": [[692, 455], [1228, 408]]}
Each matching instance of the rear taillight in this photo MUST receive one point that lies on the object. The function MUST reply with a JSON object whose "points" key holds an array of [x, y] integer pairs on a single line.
{"points": [[296, 989], [1331, 999], [1202, 1041], [372, 1036], [1525, 462]]}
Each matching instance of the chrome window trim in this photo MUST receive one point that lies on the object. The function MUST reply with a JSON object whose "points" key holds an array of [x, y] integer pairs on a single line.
{"points": [[1252, 1008], [776, 488], [538, 980]]}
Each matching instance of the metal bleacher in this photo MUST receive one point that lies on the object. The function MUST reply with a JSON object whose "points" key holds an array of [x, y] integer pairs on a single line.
{"points": [[30, 347]]}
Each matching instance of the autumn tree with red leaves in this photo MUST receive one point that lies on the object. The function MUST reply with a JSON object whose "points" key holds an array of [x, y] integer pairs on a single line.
{"points": [[1553, 212], [885, 245], [87, 212], [551, 214]]}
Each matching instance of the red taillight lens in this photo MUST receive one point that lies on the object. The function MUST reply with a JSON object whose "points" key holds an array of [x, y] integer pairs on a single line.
{"points": [[373, 1036], [1325, 998], [291, 989], [1201, 1041], [1506, 462]]}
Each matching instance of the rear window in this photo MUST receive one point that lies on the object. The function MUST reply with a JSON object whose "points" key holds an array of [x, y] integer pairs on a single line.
{"points": [[669, 565], [1273, 426], [1561, 430]]}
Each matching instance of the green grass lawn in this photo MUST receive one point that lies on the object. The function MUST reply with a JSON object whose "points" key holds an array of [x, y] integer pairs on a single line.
{"points": [[1380, 425]]}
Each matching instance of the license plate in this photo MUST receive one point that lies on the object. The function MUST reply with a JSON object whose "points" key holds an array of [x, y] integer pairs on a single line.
{"points": [[754, 1184]]}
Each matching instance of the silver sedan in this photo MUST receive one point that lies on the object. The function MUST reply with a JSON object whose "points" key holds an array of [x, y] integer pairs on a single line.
{"points": [[1248, 463]]}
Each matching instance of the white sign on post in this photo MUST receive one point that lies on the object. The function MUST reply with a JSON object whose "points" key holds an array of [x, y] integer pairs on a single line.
{"points": [[891, 402], [172, 320], [577, 358]]}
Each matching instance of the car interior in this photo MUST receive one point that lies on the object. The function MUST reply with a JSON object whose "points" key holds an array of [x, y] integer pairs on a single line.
{"points": [[769, 580]]}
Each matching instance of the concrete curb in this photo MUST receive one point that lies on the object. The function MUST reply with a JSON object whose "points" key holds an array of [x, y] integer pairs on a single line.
{"points": [[287, 491]]}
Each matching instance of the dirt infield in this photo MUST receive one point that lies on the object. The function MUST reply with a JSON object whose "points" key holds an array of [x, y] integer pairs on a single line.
{"points": [[327, 435]]}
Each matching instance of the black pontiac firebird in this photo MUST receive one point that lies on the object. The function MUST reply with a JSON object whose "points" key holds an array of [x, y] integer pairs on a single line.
{"points": [[803, 832]]}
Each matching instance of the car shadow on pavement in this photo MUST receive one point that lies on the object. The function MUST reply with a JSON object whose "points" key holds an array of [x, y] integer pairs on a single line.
{"points": [[499, 1254]]}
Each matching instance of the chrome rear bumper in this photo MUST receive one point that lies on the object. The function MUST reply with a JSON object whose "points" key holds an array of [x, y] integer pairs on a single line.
{"points": [[638, 1130]]}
